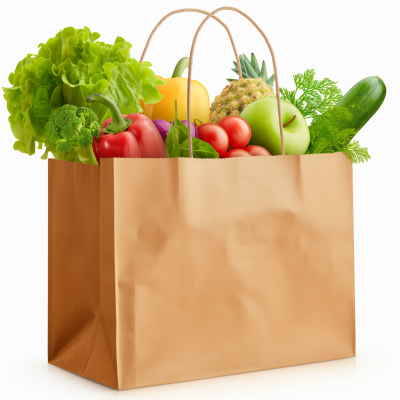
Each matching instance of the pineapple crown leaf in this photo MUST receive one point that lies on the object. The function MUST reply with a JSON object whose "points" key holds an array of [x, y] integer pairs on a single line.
{"points": [[251, 69], [271, 80], [254, 64], [243, 65], [263, 73]]}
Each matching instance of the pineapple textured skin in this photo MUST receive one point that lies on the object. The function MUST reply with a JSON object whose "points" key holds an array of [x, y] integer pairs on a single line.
{"points": [[237, 96]]}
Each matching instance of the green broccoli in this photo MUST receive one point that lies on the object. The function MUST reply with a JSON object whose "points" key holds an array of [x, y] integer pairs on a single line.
{"points": [[72, 129]]}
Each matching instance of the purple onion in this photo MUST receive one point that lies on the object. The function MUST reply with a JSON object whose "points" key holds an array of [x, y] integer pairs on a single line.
{"points": [[193, 130], [162, 126]]}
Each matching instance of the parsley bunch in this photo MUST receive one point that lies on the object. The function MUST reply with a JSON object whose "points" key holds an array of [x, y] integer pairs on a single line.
{"points": [[317, 99], [329, 135]]}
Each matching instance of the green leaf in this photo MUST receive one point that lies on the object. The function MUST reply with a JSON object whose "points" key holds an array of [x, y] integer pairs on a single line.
{"points": [[183, 131], [30, 146], [200, 148], [355, 153], [242, 65], [271, 80], [172, 143], [263, 72], [254, 64], [21, 147], [45, 155], [244, 57], [249, 69]]}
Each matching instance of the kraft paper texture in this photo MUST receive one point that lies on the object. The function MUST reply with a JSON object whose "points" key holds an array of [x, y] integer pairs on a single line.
{"points": [[168, 270]]}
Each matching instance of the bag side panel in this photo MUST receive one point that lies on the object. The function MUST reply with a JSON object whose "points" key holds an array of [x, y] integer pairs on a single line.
{"points": [[81, 322], [74, 295]]}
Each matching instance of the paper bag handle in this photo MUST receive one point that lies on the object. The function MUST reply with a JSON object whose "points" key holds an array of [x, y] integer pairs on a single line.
{"points": [[199, 11], [211, 15]]}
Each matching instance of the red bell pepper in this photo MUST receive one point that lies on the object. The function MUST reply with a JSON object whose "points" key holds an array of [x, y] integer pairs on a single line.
{"points": [[126, 136]]}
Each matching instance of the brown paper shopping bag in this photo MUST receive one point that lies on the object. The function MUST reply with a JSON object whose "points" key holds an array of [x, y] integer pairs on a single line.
{"points": [[167, 270]]}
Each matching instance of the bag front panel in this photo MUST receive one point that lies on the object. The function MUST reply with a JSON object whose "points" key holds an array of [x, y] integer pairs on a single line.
{"points": [[229, 266]]}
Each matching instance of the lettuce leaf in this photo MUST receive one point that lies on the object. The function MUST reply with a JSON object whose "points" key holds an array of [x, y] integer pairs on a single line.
{"points": [[68, 68]]}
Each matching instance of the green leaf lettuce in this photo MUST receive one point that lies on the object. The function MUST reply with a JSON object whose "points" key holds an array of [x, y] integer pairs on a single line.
{"points": [[67, 69]]}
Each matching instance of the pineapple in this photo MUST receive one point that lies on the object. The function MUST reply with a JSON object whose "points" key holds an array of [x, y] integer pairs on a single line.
{"points": [[254, 85], [237, 96]]}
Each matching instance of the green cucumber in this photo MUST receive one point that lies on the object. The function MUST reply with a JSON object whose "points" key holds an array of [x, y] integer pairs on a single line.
{"points": [[363, 101]]}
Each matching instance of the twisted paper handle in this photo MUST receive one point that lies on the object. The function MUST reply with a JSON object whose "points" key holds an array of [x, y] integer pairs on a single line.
{"points": [[199, 11], [211, 15]]}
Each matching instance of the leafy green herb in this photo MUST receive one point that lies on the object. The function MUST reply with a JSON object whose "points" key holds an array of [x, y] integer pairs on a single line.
{"points": [[355, 153], [172, 143], [178, 145], [329, 135], [325, 131], [200, 148], [182, 130], [173, 137], [311, 96]]}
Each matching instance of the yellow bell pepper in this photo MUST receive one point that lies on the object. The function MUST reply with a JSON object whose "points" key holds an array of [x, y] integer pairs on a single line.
{"points": [[176, 89]]}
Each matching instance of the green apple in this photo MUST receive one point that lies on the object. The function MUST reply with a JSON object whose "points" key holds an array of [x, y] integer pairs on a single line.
{"points": [[262, 116]]}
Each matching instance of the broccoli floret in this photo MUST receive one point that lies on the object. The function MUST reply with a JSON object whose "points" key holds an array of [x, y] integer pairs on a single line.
{"points": [[64, 146], [85, 138], [87, 115], [73, 129], [64, 114], [95, 129], [51, 131]]}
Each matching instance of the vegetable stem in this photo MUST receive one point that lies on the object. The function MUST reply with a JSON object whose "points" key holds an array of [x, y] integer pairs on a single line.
{"points": [[87, 155], [119, 123], [287, 123], [176, 119], [182, 64]]}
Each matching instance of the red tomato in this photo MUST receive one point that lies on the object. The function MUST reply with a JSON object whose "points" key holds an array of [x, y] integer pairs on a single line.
{"points": [[214, 135], [238, 130], [257, 151], [237, 153]]}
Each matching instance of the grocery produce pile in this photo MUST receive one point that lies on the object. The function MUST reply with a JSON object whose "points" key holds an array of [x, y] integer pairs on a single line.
{"points": [[82, 100]]}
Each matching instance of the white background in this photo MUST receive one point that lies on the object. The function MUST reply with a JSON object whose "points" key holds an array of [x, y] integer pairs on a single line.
{"points": [[343, 40]]}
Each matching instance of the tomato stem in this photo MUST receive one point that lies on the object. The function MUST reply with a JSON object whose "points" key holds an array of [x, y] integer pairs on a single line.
{"points": [[287, 123]]}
